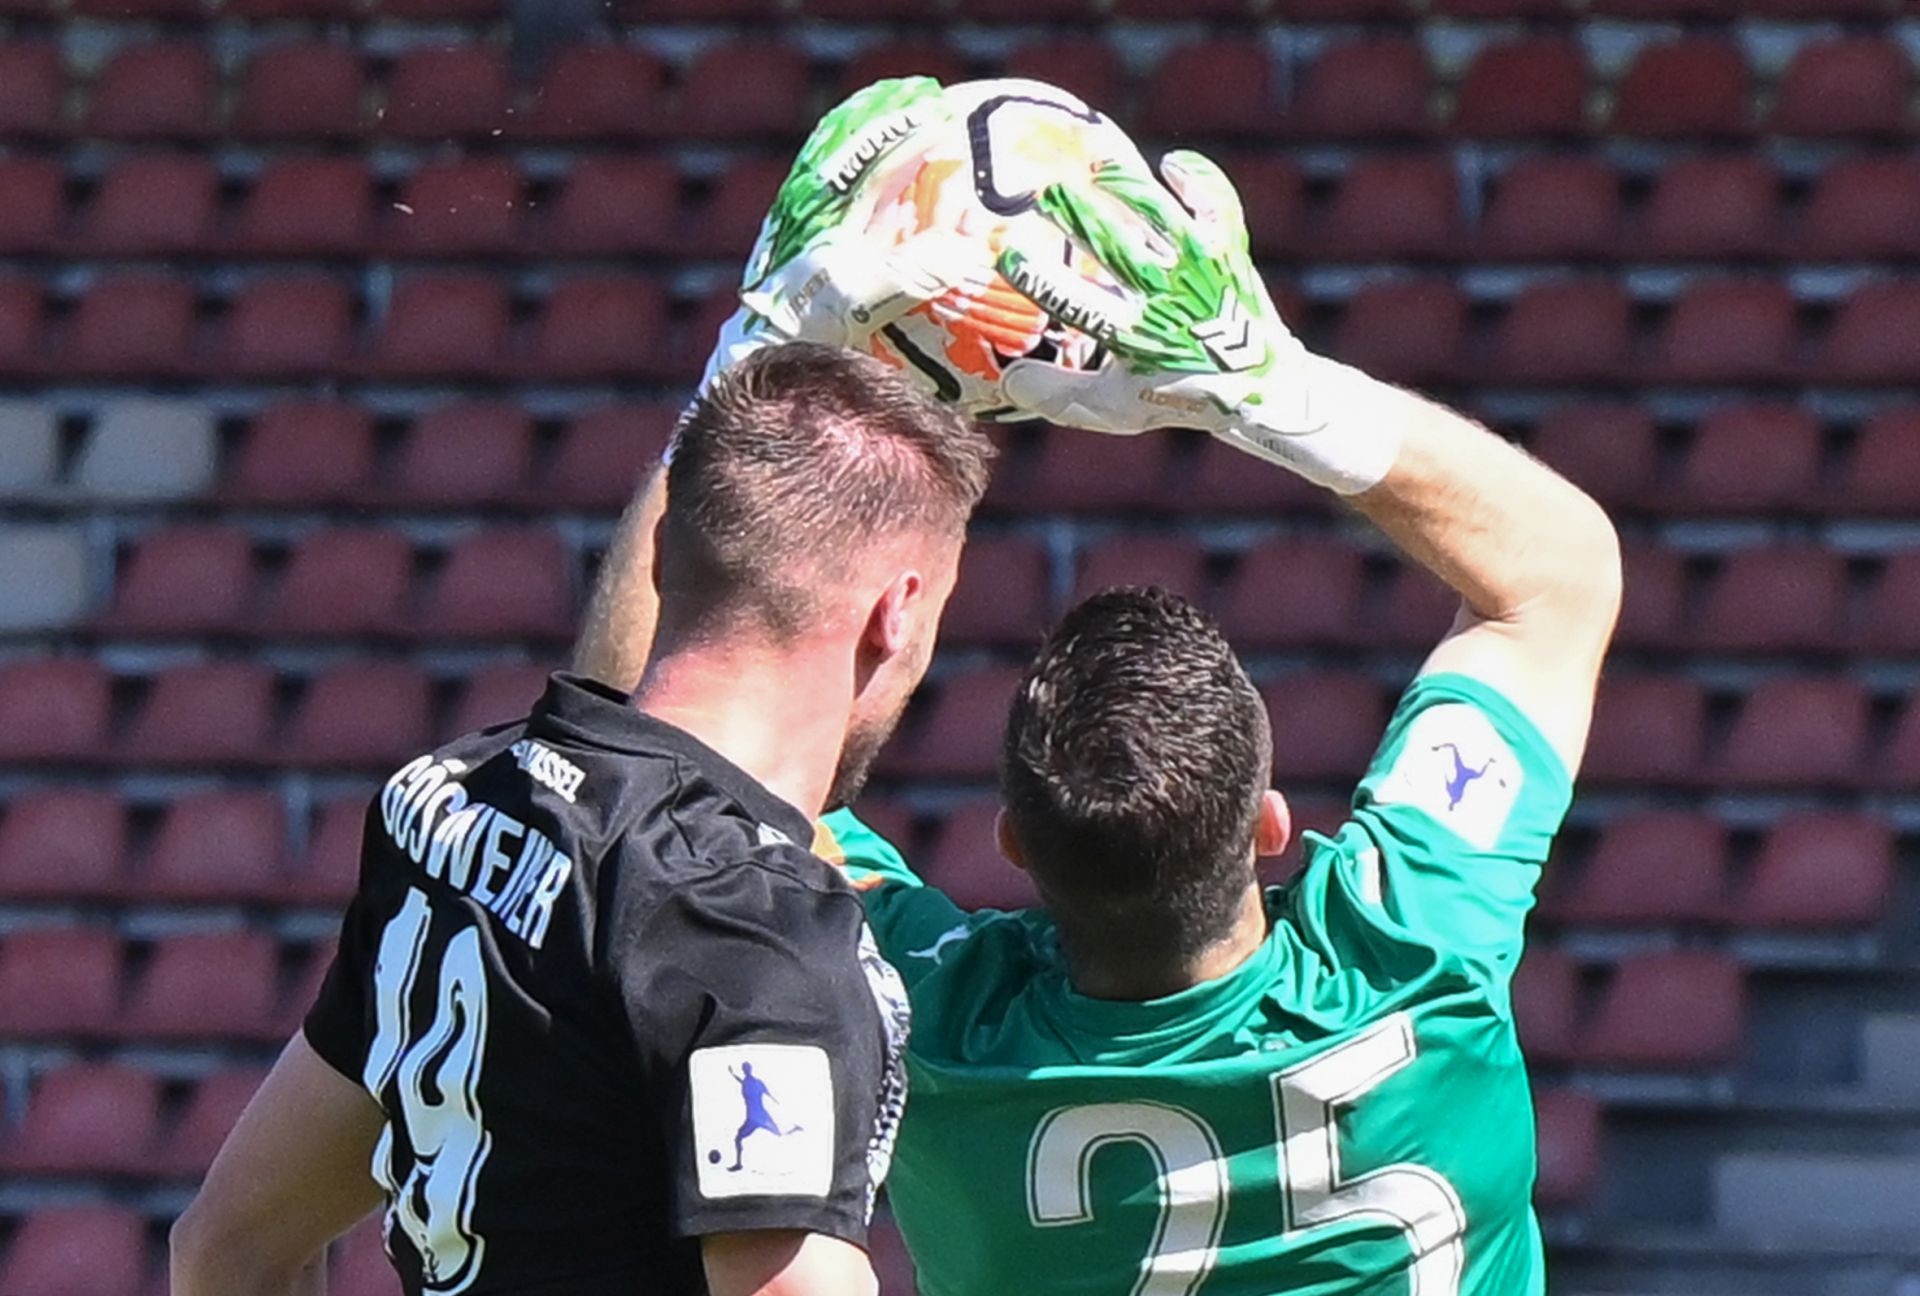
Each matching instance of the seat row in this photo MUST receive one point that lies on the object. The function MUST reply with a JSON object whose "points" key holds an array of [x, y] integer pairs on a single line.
{"points": [[1384, 86], [1666, 1010]]}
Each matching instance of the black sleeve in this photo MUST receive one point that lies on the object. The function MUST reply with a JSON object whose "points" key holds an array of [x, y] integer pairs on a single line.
{"points": [[777, 1077], [336, 1023]]}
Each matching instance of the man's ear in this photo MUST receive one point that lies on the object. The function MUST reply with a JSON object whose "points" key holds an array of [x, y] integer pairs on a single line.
{"points": [[1010, 847], [1273, 825], [890, 623]]}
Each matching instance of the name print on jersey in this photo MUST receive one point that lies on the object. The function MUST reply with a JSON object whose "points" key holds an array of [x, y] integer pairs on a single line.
{"points": [[470, 845]]}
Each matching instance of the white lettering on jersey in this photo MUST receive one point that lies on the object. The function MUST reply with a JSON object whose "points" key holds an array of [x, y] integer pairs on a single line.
{"points": [[762, 1120], [549, 768], [1459, 770]]}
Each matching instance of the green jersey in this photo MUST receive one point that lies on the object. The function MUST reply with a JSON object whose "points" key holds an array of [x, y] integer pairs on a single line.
{"points": [[1345, 1112]]}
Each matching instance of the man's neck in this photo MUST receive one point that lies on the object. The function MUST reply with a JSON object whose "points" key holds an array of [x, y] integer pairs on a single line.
{"points": [[744, 703], [1140, 980]]}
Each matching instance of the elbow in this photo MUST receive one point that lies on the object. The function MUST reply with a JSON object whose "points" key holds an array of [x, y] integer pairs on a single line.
{"points": [[1592, 584], [208, 1253], [190, 1249]]}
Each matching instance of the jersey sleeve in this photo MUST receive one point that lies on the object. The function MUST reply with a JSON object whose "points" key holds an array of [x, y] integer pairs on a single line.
{"points": [[912, 921], [1451, 824], [336, 1022], [773, 1033]]}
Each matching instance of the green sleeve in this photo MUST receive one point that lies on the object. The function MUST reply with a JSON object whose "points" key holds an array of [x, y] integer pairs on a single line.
{"points": [[912, 922], [1451, 825]]}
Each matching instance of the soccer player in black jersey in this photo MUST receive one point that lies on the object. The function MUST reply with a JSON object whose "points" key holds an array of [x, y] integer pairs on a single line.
{"points": [[599, 1022]]}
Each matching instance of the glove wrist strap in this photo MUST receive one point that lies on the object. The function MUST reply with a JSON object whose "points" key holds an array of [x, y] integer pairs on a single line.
{"points": [[1339, 431]]}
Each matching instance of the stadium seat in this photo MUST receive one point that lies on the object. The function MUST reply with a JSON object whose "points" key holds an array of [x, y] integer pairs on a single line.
{"points": [[343, 582], [132, 324], [966, 863], [465, 208], [1211, 88], [147, 451], [29, 447], [1669, 1010], [1563, 330], [289, 10], [604, 455], [1897, 765], [1727, 331], [1692, 87], [330, 870], [612, 205], [599, 91], [1028, 11], [45, 576], [301, 206], [22, 302], [1610, 451], [448, 92], [1294, 592], [897, 58], [195, 578], [302, 91], [1647, 729], [1528, 88], [507, 583], [1274, 196], [1875, 336], [1775, 600], [690, 340], [440, 10], [1391, 208], [53, 709], [1417, 608], [206, 713], [223, 845], [1863, 208], [1224, 480], [728, 221], [1502, 8], [32, 89], [307, 453], [154, 90], [603, 326], [77, 1251], [1666, 8], [312, 964], [186, 1149], [1568, 1146], [1654, 599], [364, 714], [1070, 471], [1546, 1003], [464, 454], [62, 843], [206, 985], [32, 203], [1751, 458], [87, 1118], [444, 323], [1378, 87], [496, 695], [745, 88], [1891, 622], [287, 326], [1798, 731], [1326, 724], [153, 205], [1708, 208], [142, 10], [957, 734], [1003, 593], [1648, 868], [1404, 330], [59, 981], [1883, 472], [1173, 562], [1819, 870], [1089, 68], [1847, 86], [1823, 9]]}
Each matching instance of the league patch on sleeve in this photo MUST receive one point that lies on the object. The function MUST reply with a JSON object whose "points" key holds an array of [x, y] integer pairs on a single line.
{"points": [[763, 1120], [1455, 766]]}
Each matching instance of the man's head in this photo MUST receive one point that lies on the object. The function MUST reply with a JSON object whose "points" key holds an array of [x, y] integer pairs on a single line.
{"points": [[1135, 773], [816, 494]]}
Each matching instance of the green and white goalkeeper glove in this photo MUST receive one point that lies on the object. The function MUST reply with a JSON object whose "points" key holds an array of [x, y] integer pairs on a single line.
{"points": [[1195, 339]]}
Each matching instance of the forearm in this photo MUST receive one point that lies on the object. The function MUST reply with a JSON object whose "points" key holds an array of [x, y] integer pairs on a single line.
{"points": [[205, 1265], [619, 625]]}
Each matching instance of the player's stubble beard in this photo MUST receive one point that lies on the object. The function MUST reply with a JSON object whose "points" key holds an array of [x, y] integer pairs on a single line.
{"points": [[868, 733]]}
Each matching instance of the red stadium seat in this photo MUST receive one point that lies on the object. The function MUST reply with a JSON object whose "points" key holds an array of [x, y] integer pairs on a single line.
{"points": [[464, 208], [141, 10], [1546, 1003], [1418, 608], [304, 453], [1670, 1010], [1212, 88], [1655, 598], [87, 1119], [21, 303], [1532, 87], [1503, 8], [1174, 9], [605, 454], [448, 92], [1275, 198], [601, 326], [1551, 207], [1691, 87], [1294, 592], [728, 221], [303, 91], [206, 985], [1028, 11], [610, 205], [208, 713], [697, 10], [440, 10], [1798, 731], [690, 343], [1089, 68], [347, 581], [497, 695], [745, 88], [957, 735], [313, 963], [1225, 480], [1849, 86], [154, 90], [196, 578], [132, 324], [1712, 207], [52, 709], [1074, 471], [331, 870], [1898, 763], [284, 10], [1325, 724], [152, 206], [966, 862], [1322, 10], [508, 583], [1773, 600], [465, 454], [1610, 451], [1568, 1137], [187, 1148], [599, 91], [1751, 458], [1360, 89], [1820, 870], [1003, 592], [901, 58], [62, 843], [1390, 208], [32, 89], [1564, 330], [1647, 729], [1864, 208], [321, 206], [59, 981], [1892, 619], [33, 202], [1876, 335], [1173, 562], [444, 323], [1404, 330], [367, 714], [1823, 9], [1883, 472], [224, 845], [78, 1251], [1727, 330], [1666, 8], [288, 325], [1649, 868]]}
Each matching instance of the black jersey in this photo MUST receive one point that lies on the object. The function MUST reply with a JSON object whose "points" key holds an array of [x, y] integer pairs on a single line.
{"points": [[608, 1006]]}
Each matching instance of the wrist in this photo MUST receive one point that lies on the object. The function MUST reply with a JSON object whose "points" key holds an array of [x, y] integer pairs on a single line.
{"points": [[1331, 423]]}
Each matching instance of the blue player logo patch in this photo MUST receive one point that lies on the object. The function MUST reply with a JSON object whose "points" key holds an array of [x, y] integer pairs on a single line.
{"points": [[1456, 767], [763, 1119]]}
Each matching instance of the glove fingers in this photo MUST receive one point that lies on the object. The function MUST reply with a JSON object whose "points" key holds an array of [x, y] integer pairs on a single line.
{"points": [[1206, 192], [1076, 302], [1069, 398]]}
